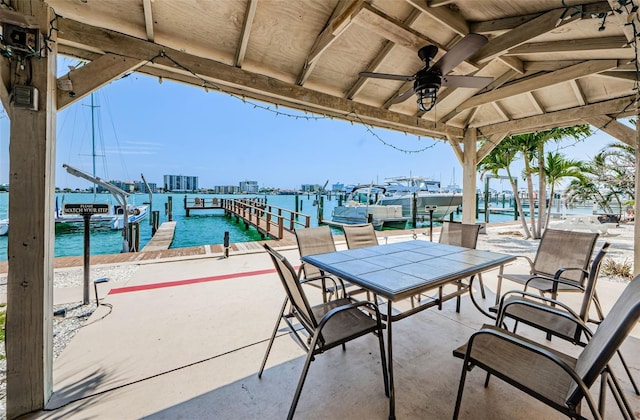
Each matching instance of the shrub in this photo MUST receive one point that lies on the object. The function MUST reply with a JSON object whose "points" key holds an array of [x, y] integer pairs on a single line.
{"points": [[612, 268]]}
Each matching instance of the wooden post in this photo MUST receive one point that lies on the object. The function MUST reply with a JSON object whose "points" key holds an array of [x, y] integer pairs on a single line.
{"points": [[636, 225], [29, 326], [469, 177]]}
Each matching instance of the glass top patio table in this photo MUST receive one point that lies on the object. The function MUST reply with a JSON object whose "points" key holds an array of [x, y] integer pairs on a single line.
{"points": [[405, 269]]}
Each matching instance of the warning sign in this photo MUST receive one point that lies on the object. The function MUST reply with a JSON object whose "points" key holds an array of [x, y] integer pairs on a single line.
{"points": [[86, 209]]}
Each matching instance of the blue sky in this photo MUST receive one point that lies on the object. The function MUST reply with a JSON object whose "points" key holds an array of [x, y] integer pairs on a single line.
{"points": [[169, 128]]}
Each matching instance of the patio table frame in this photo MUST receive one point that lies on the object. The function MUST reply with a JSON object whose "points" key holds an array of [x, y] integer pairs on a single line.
{"points": [[402, 270]]}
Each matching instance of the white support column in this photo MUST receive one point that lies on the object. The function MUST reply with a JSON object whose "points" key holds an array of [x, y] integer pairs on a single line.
{"points": [[469, 176], [29, 342]]}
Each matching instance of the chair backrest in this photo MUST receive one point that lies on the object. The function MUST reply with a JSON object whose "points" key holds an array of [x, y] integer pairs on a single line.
{"points": [[294, 290], [458, 234], [613, 330], [564, 249], [360, 236], [312, 241], [590, 285]]}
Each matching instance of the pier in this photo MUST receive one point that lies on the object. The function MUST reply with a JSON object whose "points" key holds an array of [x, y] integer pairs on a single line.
{"points": [[270, 221], [162, 239]]}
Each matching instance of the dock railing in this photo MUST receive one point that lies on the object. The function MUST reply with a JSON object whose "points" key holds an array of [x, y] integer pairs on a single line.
{"points": [[269, 220]]}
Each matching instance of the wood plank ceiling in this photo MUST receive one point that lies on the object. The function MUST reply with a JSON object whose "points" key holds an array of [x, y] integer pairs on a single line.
{"points": [[553, 62]]}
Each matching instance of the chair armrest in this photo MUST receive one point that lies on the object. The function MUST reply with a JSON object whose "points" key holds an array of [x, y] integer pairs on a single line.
{"points": [[334, 280], [500, 335], [348, 307], [557, 279], [529, 260], [533, 296]]}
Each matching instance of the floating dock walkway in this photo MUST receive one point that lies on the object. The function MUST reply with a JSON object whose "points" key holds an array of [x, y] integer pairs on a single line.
{"points": [[162, 239]]}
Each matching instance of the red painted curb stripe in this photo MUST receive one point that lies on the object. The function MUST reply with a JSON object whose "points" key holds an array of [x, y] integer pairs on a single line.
{"points": [[188, 281]]}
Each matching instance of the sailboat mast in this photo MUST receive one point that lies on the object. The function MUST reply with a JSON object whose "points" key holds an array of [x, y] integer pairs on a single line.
{"points": [[93, 142]]}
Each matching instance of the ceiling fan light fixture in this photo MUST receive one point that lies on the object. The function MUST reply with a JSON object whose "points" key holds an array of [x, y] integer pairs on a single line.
{"points": [[427, 98], [426, 88]]}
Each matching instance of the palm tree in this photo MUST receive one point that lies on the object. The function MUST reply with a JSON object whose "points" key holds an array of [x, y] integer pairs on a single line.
{"points": [[557, 168], [501, 158]]}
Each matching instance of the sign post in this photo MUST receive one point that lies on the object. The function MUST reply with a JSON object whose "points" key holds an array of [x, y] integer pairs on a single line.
{"points": [[431, 209], [86, 211]]}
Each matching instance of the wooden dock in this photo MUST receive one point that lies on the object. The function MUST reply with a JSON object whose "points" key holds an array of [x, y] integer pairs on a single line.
{"points": [[270, 221], [162, 238]]}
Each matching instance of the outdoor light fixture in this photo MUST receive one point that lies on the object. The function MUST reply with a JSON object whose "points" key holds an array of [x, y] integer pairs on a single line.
{"points": [[426, 88]]}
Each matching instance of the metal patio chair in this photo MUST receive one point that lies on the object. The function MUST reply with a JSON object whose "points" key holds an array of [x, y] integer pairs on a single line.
{"points": [[321, 327], [360, 236], [559, 320], [464, 235], [562, 254], [554, 378], [319, 240]]}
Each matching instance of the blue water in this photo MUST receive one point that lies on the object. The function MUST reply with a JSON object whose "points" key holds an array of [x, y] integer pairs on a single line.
{"points": [[203, 227]]}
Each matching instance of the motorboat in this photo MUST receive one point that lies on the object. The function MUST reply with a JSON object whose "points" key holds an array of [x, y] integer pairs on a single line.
{"points": [[361, 206], [4, 227], [430, 200]]}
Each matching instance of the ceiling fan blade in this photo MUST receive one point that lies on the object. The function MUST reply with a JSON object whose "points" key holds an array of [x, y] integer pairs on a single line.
{"points": [[460, 52], [406, 95], [387, 76], [466, 81]]}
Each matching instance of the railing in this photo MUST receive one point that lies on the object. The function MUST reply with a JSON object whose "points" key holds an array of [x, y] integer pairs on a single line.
{"points": [[268, 219]]}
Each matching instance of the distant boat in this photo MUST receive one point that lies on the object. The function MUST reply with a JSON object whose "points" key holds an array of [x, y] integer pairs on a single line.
{"points": [[401, 190], [362, 206]]}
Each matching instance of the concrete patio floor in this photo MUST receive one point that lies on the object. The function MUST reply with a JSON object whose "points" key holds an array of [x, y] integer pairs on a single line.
{"points": [[184, 339]]}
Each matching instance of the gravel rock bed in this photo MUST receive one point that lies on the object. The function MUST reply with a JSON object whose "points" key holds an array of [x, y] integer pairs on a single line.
{"points": [[75, 315]]}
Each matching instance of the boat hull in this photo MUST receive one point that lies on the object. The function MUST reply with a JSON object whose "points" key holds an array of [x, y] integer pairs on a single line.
{"points": [[443, 204], [381, 216]]}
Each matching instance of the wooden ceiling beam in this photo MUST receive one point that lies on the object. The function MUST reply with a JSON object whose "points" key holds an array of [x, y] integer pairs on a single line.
{"points": [[148, 19], [457, 150], [341, 18], [511, 22], [444, 16], [521, 34], [535, 102], [226, 78], [372, 67], [415, 14], [614, 128], [583, 69], [247, 23], [625, 75], [561, 118], [624, 17], [438, 3], [93, 76], [401, 33], [577, 90], [572, 45], [490, 143]]}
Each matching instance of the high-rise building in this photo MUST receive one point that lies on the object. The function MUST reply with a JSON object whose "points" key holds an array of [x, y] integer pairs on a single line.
{"points": [[249, 187], [180, 183]]}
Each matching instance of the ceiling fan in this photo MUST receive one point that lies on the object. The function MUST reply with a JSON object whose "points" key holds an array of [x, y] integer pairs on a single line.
{"points": [[427, 81]]}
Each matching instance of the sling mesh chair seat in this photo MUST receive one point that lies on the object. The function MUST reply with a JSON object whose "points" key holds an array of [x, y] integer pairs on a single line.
{"points": [[360, 236], [321, 327], [556, 379], [318, 240], [560, 253]]}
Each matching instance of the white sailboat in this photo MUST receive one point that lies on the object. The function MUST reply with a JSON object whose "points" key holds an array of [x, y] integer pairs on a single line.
{"points": [[115, 217]]}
